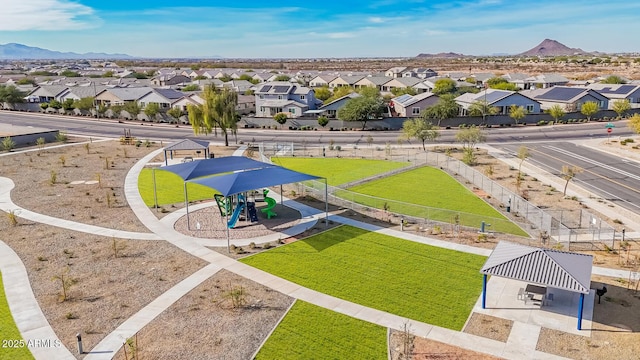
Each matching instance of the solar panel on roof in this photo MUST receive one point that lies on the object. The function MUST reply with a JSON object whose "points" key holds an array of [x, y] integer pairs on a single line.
{"points": [[402, 98], [281, 89], [265, 88], [623, 89], [561, 93]]}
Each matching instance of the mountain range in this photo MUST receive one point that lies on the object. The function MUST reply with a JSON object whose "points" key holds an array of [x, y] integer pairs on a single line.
{"points": [[14, 51], [547, 47]]}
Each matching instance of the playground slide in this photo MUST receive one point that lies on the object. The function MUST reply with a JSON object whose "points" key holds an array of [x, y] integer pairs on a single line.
{"points": [[236, 215], [271, 203]]}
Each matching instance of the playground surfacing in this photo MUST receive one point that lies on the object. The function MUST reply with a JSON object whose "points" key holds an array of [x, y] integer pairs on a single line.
{"points": [[214, 226]]}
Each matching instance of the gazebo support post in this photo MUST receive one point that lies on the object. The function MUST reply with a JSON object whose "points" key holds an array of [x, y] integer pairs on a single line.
{"points": [[580, 306], [281, 199], [186, 204], [326, 203], [166, 162], [155, 191], [227, 222], [484, 291]]}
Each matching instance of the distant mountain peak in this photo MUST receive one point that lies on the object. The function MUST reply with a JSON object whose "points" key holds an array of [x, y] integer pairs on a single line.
{"points": [[549, 47], [14, 51]]}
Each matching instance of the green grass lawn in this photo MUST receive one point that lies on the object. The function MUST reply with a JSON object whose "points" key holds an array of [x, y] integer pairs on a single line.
{"points": [[9, 331], [338, 171], [434, 188], [312, 332], [170, 188], [417, 281]]}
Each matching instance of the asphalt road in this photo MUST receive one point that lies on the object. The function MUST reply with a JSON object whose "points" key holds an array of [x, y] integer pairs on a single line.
{"points": [[110, 128], [612, 178]]}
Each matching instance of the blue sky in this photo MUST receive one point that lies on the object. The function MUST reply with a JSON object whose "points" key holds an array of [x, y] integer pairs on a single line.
{"points": [[310, 29]]}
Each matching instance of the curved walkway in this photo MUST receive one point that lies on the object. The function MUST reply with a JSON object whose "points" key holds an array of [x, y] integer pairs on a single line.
{"points": [[6, 204], [25, 309]]}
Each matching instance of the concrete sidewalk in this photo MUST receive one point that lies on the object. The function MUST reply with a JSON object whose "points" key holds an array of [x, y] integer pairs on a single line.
{"points": [[25, 309]]}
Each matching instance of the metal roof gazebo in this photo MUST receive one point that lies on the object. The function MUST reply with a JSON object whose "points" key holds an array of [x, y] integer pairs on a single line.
{"points": [[552, 268], [186, 144]]}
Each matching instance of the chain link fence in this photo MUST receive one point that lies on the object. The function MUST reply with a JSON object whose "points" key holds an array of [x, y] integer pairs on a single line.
{"points": [[552, 227]]}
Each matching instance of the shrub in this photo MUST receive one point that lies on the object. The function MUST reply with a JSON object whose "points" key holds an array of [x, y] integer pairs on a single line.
{"points": [[8, 144], [542, 122], [62, 137]]}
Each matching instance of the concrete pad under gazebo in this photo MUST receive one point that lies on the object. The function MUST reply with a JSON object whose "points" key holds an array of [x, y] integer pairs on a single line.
{"points": [[569, 273], [186, 144]]}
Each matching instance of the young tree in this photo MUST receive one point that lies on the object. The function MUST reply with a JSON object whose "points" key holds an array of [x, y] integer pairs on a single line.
{"points": [[322, 93], [280, 118], [469, 137], [362, 108], [133, 108], [634, 123], [218, 111], [621, 107], [523, 154], [589, 108], [323, 121], [517, 113], [405, 90], [420, 129], [84, 104], [556, 112], [482, 108], [151, 110], [444, 86], [116, 110], [613, 79], [175, 113], [11, 95], [55, 104], [102, 109], [568, 173], [67, 105], [339, 92], [445, 108]]}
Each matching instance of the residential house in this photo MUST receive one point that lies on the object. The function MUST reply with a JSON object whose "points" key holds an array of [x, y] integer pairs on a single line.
{"points": [[619, 92], [420, 73], [163, 97], [518, 79], [371, 81], [183, 102], [412, 105], [81, 92], [239, 86], [246, 105], [46, 93], [430, 84], [120, 96], [167, 80], [330, 110], [500, 99], [400, 83], [345, 80], [284, 97], [321, 80], [569, 98], [482, 78], [544, 81], [395, 72]]}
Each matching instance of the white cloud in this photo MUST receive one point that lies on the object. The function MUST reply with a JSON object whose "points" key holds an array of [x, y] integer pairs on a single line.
{"points": [[21, 15], [340, 35], [376, 20]]}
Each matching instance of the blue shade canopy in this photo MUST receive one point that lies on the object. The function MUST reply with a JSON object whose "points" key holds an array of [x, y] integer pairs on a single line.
{"points": [[208, 167], [240, 182]]}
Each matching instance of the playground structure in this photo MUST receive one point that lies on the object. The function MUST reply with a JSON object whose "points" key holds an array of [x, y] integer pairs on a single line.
{"points": [[271, 203], [233, 206]]}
